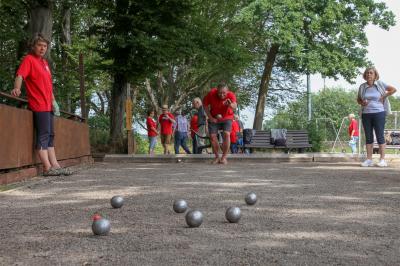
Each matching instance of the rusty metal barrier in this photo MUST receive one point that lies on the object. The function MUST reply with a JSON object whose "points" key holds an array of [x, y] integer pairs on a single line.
{"points": [[17, 137]]}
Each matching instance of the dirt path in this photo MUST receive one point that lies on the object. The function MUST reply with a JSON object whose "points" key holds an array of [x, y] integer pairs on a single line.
{"points": [[307, 214]]}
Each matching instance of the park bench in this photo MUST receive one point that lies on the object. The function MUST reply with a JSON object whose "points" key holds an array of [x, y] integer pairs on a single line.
{"points": [[388, 146], [295, 139]]}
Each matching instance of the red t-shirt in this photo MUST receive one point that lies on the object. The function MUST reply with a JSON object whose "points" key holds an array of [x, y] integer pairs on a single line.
{"points": [[193, 125], [151, 123], [217, 105], [166, 124], [36, 73], [353, 126], [235, 129]]}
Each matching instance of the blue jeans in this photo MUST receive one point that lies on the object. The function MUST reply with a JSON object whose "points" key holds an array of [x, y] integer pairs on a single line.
{"points": [[180, 140], [152, 143], [374, 122], [353, 144]]}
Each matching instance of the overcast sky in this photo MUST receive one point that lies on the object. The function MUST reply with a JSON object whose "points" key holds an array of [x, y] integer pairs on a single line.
{"points": [[383, 52]]}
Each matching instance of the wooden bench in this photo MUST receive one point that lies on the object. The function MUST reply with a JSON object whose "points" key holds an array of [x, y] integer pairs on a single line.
{"points": [[388, 146], [295, 139]]}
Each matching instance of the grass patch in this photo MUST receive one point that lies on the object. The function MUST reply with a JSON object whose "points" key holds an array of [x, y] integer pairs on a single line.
{"points": [[7, 187]]}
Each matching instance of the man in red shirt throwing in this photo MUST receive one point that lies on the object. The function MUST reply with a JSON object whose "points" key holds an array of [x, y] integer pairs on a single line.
{"points": [[35, 71], [219, 105]]}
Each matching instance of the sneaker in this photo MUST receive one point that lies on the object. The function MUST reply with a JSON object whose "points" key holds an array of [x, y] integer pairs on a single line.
{"points": [[382, 163], [367, 163]]}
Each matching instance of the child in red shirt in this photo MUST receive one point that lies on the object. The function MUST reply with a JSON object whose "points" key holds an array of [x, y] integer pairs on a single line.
{"points": [[152, 132]]}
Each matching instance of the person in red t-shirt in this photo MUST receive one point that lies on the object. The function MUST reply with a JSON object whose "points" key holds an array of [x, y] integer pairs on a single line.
{"points": [[353, 133], [35, 71], [152, 132], [234, 138], [166, 121], [219, 105], [194, 128]]}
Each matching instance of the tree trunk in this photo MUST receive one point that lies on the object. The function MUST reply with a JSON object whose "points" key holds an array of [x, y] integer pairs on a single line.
{"points": [[65, 42], [41, 19], [117, 108], [263, 91]]}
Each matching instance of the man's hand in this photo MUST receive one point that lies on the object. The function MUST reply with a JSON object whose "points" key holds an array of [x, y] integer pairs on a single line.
{"points": [[213, 120], [16, 92], [228, 102]]}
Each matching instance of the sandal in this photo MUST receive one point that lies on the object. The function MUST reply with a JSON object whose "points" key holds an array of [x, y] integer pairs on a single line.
{"points": [[65, 171], [53, 172]]}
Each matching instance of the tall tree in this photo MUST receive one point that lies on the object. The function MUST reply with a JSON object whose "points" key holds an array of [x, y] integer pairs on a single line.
{"points": [[307, 36]]}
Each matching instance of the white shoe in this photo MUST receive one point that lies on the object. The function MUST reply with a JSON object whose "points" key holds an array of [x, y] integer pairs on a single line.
{"points": [[382, 163], [367, 163]]}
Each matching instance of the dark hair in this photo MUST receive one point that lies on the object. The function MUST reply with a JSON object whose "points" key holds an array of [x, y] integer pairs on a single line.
{"points": [[37, 37], [149, 112]]}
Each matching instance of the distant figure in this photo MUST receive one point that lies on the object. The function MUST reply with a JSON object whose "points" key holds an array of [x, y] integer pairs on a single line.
{"points": [[194, 128], [201, 121], [239, 134], [373, 98], [353, 133], [181, 132], [35, 71], [166, 120], [219, 105], [152, 132], [234, 136]]}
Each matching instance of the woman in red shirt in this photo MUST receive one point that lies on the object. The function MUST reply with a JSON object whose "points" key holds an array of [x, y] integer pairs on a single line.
{"points": [[35, 72], [152, 132]]}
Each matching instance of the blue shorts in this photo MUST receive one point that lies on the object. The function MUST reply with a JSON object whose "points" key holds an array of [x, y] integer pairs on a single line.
{"points": [[44, 125], [152, 142]]}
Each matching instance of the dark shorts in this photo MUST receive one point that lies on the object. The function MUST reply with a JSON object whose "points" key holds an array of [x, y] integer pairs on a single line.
{"points": [[44, 125], [225, 125]]}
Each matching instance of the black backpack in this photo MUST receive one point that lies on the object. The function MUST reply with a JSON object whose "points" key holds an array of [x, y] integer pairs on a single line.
{"points": [[248, 134], [395, 138]]}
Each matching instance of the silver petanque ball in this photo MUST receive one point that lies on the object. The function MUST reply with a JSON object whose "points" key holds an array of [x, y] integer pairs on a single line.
{"points": [[117, 202], [180, 206], [194, 218], [251, 198], [101, 227], [233, 214]]}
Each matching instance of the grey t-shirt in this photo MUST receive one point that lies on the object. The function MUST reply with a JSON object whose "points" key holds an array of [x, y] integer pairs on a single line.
{"points": [[372, 95]]}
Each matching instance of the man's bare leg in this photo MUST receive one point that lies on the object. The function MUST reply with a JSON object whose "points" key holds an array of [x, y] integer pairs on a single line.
{"points": [[225, 147], [215, 147]]}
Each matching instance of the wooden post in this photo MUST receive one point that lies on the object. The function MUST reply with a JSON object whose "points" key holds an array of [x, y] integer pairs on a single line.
{"points": [[82, 87], [128, 118]]}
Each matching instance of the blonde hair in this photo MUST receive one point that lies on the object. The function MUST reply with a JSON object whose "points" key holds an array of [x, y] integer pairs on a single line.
{"points": [[197, 99], [368, 69], [351, 116]]}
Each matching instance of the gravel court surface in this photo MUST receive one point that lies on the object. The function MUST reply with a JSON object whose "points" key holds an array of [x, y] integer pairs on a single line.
{"points": [[306, 214]]}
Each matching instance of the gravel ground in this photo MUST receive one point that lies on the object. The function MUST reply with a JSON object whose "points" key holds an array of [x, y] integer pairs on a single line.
{"points": [[307, 214]]}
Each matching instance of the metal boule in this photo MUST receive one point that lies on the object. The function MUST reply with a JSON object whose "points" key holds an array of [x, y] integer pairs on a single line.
{"points": [[233, 214], [180, 206], [194, 218], [251, 198]]}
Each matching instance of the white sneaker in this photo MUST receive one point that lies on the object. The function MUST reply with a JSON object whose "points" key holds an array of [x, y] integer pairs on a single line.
{"points": [[367, 163], [382, 163]]}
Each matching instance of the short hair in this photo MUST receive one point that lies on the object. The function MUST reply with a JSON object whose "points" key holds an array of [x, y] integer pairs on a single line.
{"points": [[164, 107], [351, 116], [222, 85], [38, 37], [368, 69], [197, 99]]}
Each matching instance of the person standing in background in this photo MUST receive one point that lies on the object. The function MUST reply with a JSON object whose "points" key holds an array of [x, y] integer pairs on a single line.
{"points": [[166, 121], [152, 132], [353, 133], [181, 132]]}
